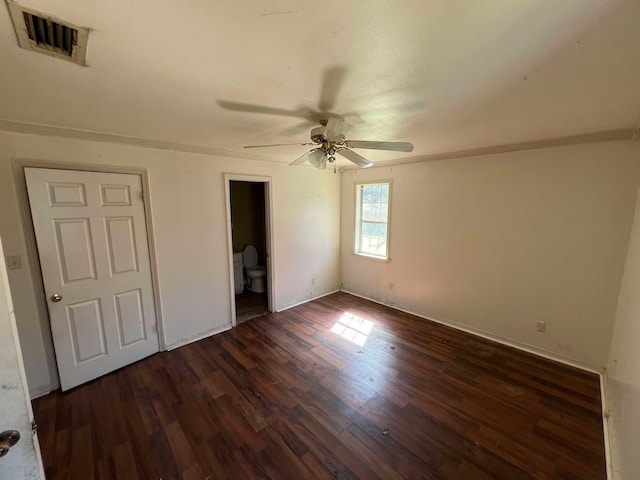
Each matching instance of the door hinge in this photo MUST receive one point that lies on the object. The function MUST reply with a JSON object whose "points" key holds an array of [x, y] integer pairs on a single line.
{"points": [[34, 427]]}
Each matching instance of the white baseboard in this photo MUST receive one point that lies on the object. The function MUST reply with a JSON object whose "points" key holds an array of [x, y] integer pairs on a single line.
{"points": [[315, 297], [206, 334], [230, 326], [489, 336]]}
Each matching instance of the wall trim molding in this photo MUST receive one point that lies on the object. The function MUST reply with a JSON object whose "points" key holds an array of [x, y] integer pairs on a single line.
{"points": [[202, 336], [28, 128], [621, 134], [489, 336]]}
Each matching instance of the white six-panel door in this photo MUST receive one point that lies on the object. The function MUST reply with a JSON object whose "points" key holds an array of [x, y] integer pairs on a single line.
{"points": [[92, 243]]}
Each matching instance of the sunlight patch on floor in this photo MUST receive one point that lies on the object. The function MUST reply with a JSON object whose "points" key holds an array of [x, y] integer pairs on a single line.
{"points": [[353, 328]]}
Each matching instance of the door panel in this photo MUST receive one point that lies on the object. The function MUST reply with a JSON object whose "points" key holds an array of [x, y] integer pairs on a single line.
{"points": [[92, 242], [86, 326], [115, 195], [122, 244], [67, 194], [75, 249], [130, 317]]}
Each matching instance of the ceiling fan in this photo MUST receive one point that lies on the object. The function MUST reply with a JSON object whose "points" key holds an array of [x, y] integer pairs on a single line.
{"points": [[329, 137], [330, 140]]}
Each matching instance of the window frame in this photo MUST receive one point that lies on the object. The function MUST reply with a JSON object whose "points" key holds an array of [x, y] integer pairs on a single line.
{"points": [[357, 243]]}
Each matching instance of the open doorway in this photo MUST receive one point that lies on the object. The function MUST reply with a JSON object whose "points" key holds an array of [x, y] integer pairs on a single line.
{"points": [[249, 227]]}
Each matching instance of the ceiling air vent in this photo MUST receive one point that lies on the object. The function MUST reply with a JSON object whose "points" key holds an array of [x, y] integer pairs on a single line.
{"points": [[45, 34]]}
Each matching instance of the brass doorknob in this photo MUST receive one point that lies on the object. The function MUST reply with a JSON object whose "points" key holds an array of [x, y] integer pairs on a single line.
{"points": [[8, 439], [56, 297]]}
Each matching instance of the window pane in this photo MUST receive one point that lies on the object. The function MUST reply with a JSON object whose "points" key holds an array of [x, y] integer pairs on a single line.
{"points": [[373, 245], [373, 210], [366, 193], [384, 212], [382, 248], [384, 193], [366, 212], [369, 229], [375, 193], [365, 243], [368, 245]]}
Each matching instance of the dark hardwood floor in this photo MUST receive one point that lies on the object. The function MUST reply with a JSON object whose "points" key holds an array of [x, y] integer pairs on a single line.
{"points": [[291, 396]]}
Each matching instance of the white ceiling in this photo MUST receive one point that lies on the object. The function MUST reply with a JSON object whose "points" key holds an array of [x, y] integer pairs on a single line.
{"points": [[446, 75]]}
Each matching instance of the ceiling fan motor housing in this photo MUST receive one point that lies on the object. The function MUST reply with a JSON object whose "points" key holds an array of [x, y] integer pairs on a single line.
{"points": [[318, 135]]}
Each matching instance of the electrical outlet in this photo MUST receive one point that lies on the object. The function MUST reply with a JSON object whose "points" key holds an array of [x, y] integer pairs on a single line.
{"points": [[541, 326], [313, 281], [390, 286], [14, 262]]}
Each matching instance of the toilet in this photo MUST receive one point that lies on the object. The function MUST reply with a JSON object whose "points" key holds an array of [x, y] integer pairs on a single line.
{"points": [[255, 273]]}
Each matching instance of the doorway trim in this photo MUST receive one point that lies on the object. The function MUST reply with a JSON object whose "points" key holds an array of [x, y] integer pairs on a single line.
{"points": [[270, 238], [18, 165]]}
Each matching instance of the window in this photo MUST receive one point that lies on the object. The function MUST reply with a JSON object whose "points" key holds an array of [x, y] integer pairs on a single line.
{"points": [[372, 219]]}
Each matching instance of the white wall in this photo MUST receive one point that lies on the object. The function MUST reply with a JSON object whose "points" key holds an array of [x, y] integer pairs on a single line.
{"points": [[499, 242], [623, 370], [189, 217]]}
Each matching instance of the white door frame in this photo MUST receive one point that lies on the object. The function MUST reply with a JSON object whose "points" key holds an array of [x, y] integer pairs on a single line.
{"points": [[18, 166], [268, 220]]}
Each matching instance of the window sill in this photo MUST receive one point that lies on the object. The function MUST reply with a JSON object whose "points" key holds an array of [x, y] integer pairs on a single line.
{"points": [[372, 257]]}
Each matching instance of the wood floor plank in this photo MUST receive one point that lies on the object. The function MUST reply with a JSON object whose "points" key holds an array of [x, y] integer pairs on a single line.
{"points": [[285, 396]]}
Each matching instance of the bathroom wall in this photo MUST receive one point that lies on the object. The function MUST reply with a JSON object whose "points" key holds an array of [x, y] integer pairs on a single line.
{"points": [[247, 217]]}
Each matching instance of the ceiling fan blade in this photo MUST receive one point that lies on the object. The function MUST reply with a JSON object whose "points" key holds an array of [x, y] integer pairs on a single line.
{"points": [[392, 146], [247, 107], [335, 130], [355, 158], [276, 145], [331, 83], [312, 155]]}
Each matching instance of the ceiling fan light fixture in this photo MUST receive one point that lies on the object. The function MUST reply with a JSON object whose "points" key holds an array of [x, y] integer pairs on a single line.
{"points": [[320, 162]]}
